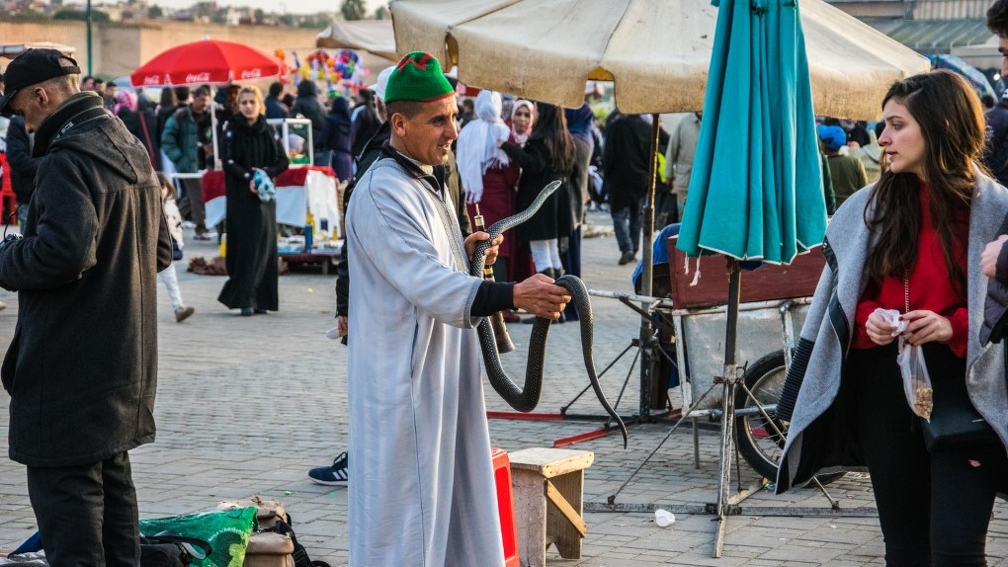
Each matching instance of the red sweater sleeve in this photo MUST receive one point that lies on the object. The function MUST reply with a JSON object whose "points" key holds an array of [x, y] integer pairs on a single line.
{"points": [[960, 332], [865, 308]]}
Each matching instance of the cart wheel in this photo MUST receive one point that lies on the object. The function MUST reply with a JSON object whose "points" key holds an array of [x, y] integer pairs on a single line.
{"points": [[759, 442]]}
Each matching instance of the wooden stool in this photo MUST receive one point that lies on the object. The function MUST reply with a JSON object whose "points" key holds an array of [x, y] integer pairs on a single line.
{"points": [[547, 499]]}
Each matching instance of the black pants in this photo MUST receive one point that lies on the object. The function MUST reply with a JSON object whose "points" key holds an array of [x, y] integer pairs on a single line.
{"points": [[934, 508], [87, 514]]}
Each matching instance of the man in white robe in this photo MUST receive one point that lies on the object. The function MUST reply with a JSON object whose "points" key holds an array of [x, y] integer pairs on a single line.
{"points": [[422, 489]]}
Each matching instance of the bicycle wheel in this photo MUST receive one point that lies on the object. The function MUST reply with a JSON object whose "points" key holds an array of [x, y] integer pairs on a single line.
{"points": [[759, 442]]}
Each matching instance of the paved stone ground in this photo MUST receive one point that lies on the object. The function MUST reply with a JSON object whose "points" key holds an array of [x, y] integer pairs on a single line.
{"points": [[237, 418]]}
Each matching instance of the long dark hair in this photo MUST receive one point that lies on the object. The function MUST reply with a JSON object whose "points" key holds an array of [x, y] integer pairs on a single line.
{"points": [[551, 126], [952, 124]]}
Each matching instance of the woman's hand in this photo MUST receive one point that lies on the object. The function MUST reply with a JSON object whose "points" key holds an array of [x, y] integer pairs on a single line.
{"points": [[252, 184], [879, 330], [925, 326], [491, 253]]}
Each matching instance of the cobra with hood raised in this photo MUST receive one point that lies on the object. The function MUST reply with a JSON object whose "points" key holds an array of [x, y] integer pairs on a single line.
{"points": [[82, 366]]}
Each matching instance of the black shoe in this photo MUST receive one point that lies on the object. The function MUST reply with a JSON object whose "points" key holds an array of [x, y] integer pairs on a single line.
{"points": [[259, 311], [332, 475], [246, 311], [627, 257]]}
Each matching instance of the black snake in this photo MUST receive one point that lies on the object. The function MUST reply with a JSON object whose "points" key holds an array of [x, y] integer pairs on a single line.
{"points": [[527, 399]]}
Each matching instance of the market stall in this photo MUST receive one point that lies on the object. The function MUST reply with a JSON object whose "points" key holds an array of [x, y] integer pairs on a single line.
{"points": [[299, 191]]}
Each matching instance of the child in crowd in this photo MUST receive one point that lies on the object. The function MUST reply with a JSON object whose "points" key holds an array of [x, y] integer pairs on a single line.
{"points": [[168, 276]]}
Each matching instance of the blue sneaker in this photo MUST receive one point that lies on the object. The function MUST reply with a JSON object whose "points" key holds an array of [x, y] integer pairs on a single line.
{"points": [[331, 475]]}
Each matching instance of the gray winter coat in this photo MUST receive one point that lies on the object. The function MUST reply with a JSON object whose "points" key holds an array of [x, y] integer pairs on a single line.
{"points": [[829, 327], [81, 369]]}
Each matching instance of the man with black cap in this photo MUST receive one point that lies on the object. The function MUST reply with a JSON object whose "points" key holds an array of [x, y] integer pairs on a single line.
{"points": [[81, 369], [422, 489]]}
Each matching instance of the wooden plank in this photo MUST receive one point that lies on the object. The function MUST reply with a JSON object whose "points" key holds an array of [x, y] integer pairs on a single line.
{"points": [[530, 517], [798, 279], [568, 537], [565, 508], [549, 462]]}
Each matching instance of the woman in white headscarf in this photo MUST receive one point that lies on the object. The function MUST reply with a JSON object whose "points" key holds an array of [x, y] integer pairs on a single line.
{"points": [[522, 116], [488, 175]]}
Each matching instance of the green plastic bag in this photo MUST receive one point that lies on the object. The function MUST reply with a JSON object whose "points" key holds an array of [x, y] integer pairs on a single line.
{"points": [[227, 532]]}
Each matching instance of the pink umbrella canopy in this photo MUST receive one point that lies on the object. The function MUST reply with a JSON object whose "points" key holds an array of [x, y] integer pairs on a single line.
{"points": [[206, 61]]}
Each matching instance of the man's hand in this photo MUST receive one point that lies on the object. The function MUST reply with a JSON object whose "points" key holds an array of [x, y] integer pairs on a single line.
{"points": [[491, 253], [343, 322], [541, 297], [989, 257], [926, 326]]}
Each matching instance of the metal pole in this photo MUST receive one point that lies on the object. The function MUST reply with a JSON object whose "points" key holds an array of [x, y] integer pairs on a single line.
{"points": [[646, 330], [87, 23], [729, 378]]}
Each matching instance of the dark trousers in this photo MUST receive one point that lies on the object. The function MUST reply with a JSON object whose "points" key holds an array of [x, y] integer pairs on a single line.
{"points": [[87, 514], [627, 226], [193, 189], [934, 508]]}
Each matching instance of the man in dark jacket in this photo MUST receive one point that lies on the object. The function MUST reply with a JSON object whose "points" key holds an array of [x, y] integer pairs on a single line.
{"points": [[184, 140], [995, 155], [625, 159], [275, 108], [81, 369]]}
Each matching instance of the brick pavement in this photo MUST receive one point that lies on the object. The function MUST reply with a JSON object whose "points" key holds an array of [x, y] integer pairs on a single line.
{"points": [[247, 405]]}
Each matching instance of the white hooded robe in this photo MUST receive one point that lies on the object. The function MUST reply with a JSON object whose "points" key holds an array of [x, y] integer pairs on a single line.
{"points": [[421, 487]]}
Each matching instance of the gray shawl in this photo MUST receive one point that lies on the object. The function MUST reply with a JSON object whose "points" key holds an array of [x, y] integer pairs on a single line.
{"points": [[851, 242]]}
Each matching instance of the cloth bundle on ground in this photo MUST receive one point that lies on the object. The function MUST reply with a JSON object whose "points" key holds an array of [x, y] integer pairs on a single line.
{"points": [[272, 543], [217, 267]]}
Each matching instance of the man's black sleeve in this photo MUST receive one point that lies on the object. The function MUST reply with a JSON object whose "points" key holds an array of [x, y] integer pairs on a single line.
{"points": [[492, 297]]}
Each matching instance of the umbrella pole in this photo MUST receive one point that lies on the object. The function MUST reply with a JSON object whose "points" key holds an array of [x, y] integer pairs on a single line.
{"points": [[647, 340], [213, 134], [729, 380]]}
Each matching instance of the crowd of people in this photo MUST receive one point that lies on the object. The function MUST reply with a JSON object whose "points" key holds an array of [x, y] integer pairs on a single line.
{"points": [[924, 233]]}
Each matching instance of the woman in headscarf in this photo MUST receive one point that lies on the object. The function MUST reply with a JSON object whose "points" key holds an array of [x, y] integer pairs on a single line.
{"points": [[140, 123], [336, 138], [489, 176], [522, 118]]}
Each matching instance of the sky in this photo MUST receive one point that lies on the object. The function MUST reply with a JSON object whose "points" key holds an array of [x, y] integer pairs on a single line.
{"points": [[279, 6]]}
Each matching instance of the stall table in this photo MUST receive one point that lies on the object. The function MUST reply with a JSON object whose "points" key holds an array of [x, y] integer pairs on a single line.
{"points": [[299, 191]]}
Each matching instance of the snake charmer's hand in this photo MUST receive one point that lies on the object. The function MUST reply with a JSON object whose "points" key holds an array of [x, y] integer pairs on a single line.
{"points": [[879, 330], [925, 326], [541, 297], [989, 256], [475, 238]]}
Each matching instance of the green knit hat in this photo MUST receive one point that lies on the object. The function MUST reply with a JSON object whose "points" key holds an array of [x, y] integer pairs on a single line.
{"points": [[417, 77]]}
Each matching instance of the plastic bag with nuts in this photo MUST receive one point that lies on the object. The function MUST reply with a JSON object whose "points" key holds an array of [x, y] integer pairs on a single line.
{"points": [[913, 368]]}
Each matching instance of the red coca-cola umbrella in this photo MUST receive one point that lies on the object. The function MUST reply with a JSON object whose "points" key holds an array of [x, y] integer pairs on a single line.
{"points": [[210, 61]]}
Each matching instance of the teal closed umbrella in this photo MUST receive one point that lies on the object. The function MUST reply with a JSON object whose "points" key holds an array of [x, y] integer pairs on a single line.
{"points": [[756, 191]]}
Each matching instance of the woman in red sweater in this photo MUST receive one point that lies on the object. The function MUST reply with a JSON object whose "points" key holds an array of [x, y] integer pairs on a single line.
{"points": [[903, 244]]}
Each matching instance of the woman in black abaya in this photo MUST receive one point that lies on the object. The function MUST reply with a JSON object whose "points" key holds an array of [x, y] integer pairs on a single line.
{"points": [[251, 145]]}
